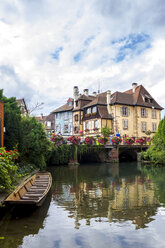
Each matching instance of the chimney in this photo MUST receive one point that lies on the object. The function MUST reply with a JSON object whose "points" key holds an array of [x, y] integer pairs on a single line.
{"points": [[134, 85], [94, 93], [86, 92], [41, 116], [75, 94], [108, 101]]}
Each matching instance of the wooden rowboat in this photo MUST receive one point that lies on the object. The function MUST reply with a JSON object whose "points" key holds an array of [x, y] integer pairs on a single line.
{"points": [[33, 191]]}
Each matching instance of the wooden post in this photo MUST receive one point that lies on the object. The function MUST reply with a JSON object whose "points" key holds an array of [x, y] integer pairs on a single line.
{"points": [[1, 124]]}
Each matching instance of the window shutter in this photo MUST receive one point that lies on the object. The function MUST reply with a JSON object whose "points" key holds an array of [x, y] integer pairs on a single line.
{"points": [[146, 112], [128, 111], [127, 124], [92, 125], [121, 111]]}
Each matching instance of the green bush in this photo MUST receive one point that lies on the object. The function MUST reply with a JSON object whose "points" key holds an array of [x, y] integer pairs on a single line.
{"points": [[156, 152], [60, 154], [106, 131], [8, 171]]}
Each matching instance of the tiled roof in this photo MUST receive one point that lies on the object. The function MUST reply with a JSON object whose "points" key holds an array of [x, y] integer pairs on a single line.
{"points": [[84, 97], [140, 94], [103, 111], [83, 100], [126, 98], [99, 99], [121, 98], [21, 102], [63, 108]]}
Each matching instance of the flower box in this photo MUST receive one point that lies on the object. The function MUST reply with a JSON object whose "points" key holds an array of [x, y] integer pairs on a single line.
{"points": [[129, 141], [116, 140]]}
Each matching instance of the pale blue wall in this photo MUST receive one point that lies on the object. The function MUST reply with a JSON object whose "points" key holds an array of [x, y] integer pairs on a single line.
{"points": [[62, 120]]}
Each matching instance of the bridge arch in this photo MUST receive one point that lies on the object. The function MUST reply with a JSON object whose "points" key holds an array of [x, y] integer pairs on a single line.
{"points": [[127, 155]]}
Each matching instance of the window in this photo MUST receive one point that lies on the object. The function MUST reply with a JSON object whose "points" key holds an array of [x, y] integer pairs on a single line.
{"points": [[146, 99], [154, 127], [89, 111], [87, 125], [144, 126], [48, 123], [76, 117], [70, 128], [153, 113], [66, 116], [96, 124], [58, 128], [70, 103], [144, 112], [124, 111], [125, 124], [76, 129], [94, 110], [65, 128], [76, 103]]}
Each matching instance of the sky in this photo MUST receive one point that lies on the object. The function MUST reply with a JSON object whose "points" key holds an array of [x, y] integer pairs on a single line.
{"points": [[49, 46]]}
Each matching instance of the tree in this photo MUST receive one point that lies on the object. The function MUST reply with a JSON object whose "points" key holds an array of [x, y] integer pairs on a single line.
{"points": [[12, 121], [159, 138], [34, 145]]}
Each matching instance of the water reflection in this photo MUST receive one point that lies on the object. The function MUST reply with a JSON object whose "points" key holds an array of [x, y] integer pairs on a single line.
{"points": [[93, 206], [21, 221], [106, 194]]}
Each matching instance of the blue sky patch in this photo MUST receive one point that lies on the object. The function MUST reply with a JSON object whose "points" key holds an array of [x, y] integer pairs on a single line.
{"points": [[88, 40], [132, 45], [78, 56], [56, 54]]}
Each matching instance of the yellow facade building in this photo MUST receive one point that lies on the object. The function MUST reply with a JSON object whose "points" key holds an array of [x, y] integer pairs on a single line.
{"points": [[130, 113]]}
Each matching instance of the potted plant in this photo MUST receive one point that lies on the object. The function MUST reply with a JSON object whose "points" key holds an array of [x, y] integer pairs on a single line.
{"points": [[129, 141], [89, 140], [141, 141], [102, 140], [81, 132], [57, 139]]}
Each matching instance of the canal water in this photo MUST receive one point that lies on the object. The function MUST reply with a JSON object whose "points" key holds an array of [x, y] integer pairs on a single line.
{"points": [[93, 206]]}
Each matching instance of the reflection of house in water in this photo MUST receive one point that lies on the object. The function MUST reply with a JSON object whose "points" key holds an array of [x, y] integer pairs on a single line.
{"points": [[114, 199]]}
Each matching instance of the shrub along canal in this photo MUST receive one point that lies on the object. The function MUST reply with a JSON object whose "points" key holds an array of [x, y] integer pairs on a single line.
{"points": [[93, 205]]}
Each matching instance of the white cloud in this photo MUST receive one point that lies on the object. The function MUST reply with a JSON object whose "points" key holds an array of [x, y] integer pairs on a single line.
{"points": [[31, 31]]}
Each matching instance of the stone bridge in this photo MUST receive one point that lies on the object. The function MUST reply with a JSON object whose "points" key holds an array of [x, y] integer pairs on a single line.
{"points": [[111, 153]]}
